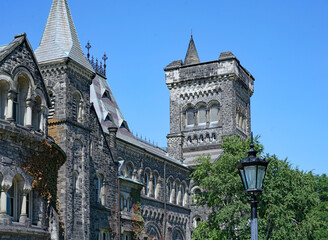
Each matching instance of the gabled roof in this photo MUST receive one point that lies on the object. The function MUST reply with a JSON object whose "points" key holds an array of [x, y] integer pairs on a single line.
{"points": [[19, 40], [192, 55], [60, 39]]}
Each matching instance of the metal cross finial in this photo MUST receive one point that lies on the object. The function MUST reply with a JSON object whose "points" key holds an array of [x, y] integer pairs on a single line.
{"points": [[88, 46], [105, 59]]}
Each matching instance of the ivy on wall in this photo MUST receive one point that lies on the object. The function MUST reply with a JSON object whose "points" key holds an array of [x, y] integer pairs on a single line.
{"points": [[43, 164]]}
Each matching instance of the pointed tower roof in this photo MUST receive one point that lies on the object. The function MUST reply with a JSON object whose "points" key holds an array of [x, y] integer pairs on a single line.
{"points": [[59, 39], [192, 55]]}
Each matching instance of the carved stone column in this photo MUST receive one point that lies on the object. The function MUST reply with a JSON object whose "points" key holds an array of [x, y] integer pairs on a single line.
{"points": [[5, 219], [23, 216], [10, 107], [28, 116]]}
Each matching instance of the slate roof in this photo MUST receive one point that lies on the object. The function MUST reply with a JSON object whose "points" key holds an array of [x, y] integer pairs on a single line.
{"points": [[105, 105], [8, 48], [59, 38], [192, 55], [191, 156]]}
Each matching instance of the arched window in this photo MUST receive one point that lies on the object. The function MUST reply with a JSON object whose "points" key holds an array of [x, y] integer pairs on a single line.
{"points": [[190, 117], [155, 180], [15, 198], [4, 87], [183, 192], [37, 114], [196, 192], [20, 103], [214, 113], [201, 116], [129, 171], [77, 107], [170, 188], [147, 183], [196, 221], [213, 137], [177, 193]]}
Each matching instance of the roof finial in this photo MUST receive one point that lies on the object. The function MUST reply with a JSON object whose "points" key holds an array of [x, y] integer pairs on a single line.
{"points": [[252, 151], [192, 55], [88, 46], [105, 58]]}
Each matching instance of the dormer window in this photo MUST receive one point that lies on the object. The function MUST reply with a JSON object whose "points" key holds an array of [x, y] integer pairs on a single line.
{"points": [[108, 118], [124, 125], [106, 94]]}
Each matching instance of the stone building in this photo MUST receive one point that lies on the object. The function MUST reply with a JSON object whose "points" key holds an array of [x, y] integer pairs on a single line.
{"points": [[112, 184]]}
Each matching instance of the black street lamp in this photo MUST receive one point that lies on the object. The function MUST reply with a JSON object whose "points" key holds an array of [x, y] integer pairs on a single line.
{"points": [[252, 172]]}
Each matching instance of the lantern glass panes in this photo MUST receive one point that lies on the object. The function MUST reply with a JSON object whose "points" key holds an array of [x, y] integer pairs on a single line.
{"points": [[250, 173], [260, 176], [242, 174]]}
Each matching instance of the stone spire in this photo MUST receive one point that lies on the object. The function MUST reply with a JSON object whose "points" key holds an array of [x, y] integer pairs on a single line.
{"points": [[192, 55], [59, 39]]}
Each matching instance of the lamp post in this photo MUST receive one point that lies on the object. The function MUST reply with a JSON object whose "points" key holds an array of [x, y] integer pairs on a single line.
{"points": [[252, 172]]}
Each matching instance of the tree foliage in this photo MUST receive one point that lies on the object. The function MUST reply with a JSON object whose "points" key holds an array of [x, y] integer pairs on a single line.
{"points": [[288, 205]]}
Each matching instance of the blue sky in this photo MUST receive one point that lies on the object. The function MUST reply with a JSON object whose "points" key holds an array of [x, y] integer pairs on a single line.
{"points": [[284, 44]]}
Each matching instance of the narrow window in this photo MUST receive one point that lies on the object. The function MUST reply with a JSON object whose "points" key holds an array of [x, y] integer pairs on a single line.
{"points": [[214, 114], [176, 193], [183, 195], [170, 191], [36, 114], [77, 107], [201, 116], [190, 117], [99, 186], [52, 107], [21, 99], [129, 171], [3, 98], [147, 184], [155, 185]]}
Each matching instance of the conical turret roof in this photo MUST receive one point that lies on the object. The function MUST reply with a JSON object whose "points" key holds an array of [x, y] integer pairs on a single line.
{"points": [[192, 55], [59, 39]]}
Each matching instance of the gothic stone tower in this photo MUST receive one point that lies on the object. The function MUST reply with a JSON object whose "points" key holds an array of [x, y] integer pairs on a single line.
{"points": [[207, 101], [68, 75]]}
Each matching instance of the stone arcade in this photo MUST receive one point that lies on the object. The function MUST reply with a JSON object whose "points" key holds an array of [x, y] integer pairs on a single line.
{"points": [[112, 184]]}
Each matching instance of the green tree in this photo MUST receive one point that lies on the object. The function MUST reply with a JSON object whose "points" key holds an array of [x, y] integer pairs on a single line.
{"points": [[322, 210], [288, 204]]}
